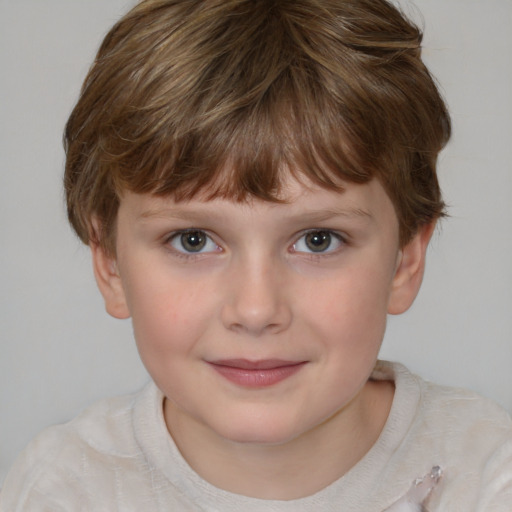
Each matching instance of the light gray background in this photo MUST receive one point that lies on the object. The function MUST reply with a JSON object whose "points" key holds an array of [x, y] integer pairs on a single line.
{"points": [[59, 351]]}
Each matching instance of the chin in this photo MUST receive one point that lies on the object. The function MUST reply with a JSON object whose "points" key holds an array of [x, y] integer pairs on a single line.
{"points": [[259, 431]]}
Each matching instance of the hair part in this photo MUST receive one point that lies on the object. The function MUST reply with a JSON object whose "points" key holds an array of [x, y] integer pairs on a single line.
{"points": [[225, 97]]}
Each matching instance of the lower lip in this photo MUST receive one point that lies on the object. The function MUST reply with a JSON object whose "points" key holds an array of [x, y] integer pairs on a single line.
{"points": [[257, 378]]}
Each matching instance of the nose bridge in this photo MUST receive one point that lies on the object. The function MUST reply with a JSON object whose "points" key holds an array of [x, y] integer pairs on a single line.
{"points": [[257, 301]]}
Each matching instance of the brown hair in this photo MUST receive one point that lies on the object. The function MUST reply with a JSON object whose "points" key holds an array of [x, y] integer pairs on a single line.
{"points": [[224, 96]]}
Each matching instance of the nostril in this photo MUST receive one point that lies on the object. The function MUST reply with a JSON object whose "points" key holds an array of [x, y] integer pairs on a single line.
{"points": [[268, 318], [256, 301]]}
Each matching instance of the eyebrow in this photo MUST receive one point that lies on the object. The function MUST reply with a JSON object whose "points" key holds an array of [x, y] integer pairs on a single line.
{"points": [[328, 213], [314, 215], [175, 213]]}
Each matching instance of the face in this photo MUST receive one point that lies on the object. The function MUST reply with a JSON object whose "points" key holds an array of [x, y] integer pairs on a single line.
{"points": [[260, 321]]}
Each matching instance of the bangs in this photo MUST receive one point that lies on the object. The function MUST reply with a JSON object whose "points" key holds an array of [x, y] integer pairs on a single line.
{"points": [[248, 154], [247, 120]]}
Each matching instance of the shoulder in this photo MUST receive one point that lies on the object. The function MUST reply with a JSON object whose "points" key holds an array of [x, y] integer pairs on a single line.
{"points": [[461, 411], [445, 408], [477, 443], [467, 435], [56, 466]]}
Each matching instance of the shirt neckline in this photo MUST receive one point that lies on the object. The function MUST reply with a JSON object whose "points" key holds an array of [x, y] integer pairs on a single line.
{"points": [[354, 487]]}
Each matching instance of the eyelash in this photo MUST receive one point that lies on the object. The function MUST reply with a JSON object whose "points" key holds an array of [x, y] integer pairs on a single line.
{"points": [[190, 254], [334, 237]]}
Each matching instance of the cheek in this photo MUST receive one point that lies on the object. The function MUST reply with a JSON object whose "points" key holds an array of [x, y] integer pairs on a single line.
{"points": [[168, 314], [350, 313], [358, 296]]}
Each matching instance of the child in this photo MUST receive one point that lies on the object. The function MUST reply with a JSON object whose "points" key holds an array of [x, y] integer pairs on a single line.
{"points": [[257, 183]]}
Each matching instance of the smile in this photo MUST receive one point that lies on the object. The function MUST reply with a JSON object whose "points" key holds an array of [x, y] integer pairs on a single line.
{"points": [[256, 374]]}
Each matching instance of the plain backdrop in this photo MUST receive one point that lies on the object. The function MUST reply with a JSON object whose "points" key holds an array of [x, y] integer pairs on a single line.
{"points": [[59, 351]]}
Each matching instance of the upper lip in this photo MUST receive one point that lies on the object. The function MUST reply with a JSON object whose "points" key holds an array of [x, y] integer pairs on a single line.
{"points": [[262, 364]]}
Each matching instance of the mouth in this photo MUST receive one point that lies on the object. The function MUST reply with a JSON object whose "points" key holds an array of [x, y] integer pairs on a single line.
{"points": [[256, 374]]}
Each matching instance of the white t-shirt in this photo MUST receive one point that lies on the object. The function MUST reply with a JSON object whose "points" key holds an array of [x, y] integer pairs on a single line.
{"points": [[118, 456]]}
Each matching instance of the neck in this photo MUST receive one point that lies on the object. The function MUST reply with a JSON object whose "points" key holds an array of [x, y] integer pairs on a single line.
{"points": [[291, 470]]}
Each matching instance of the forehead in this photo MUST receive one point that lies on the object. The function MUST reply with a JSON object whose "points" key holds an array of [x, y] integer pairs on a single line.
{"points": [[298, 200]]}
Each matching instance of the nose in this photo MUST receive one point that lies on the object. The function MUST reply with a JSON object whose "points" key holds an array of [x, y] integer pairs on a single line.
{"points": [[257, 302]]}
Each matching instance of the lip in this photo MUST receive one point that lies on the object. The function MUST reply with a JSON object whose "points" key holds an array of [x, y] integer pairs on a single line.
{"points": [[256, 374]]}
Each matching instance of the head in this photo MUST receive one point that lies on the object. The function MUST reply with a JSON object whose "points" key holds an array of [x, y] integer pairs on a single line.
{"points": [[228, 98], [257, 171]]}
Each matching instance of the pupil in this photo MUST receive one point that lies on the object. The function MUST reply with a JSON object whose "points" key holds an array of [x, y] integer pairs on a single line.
{"points": [[193, 241], [318, 241]]}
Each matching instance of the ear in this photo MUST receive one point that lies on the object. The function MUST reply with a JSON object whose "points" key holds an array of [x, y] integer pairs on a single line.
{"points": [[409, 273], [109, 282]]}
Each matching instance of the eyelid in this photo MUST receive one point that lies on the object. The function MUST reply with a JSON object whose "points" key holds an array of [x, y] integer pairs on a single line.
{"points": [[340, 238], [191, 254]]}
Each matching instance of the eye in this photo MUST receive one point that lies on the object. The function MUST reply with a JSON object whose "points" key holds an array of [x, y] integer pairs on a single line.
{"points": [[318, 241], [193, 241]]}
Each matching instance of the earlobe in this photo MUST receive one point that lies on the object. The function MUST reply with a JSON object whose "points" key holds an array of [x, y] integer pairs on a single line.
{"points": [[409, 273], [109, 282]]}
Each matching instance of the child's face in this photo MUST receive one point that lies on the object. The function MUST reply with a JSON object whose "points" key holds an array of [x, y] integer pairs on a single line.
{"points": [[260, 321]]}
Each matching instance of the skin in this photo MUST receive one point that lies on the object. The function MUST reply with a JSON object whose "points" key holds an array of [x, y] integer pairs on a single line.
{"points": [[257, 291]]}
